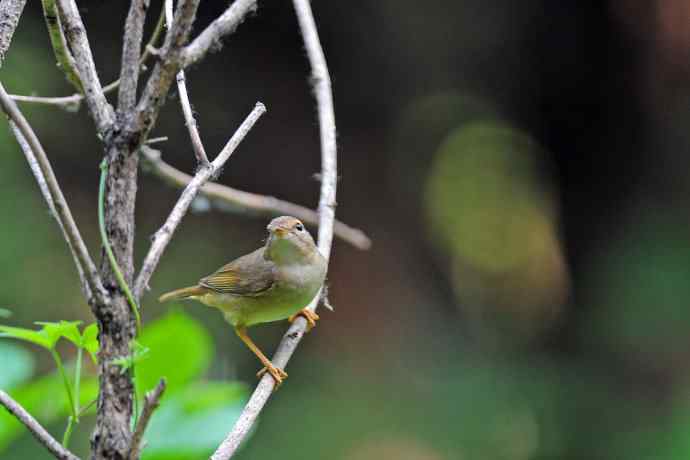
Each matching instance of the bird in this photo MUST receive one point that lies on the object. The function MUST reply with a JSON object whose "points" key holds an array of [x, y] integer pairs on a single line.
{"points": [[275, 282]]}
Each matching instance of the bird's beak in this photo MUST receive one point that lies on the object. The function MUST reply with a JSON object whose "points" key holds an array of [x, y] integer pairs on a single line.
{"points": [[278, 231]]}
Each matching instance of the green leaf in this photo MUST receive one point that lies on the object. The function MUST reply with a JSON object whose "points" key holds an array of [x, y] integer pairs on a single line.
{"points": [[4, 313], [45, 399], [89, 339], [205, 409], [48, 335], [181, 350], [39, 337], [66, 329], [17, 365]]}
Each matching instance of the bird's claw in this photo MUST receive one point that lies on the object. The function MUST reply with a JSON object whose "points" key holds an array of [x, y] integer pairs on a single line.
{"points": [[307, 314], [277, 373]]}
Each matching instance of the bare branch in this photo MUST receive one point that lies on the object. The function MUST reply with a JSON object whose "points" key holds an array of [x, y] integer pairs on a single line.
{"points": [[69, 103], [189, 119], [72, 103], [168, 65], [324, 99], [35, 428], [252, 203], [10, 12], [73, 237], [175, 57], [131, 51], [164, 234], [211, 37], [75, 33], [151, 402]]}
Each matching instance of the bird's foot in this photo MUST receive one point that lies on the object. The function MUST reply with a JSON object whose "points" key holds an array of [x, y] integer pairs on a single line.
{"points": [[307, 314], [277, 373]]}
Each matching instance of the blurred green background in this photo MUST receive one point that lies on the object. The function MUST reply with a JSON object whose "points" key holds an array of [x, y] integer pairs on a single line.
{"points": [[523, 169]]}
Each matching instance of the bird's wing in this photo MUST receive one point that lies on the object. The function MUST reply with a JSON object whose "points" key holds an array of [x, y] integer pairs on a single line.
{"points": [[249, 275]]}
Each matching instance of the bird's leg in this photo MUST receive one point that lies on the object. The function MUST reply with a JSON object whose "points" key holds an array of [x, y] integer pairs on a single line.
{"points": [[277, 373], [307, 314]]}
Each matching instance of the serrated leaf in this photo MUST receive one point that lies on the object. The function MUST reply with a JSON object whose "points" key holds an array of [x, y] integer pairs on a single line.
{"points": [[66, 329]]}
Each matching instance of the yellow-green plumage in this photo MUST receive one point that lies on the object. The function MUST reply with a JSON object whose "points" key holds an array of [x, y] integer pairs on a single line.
{"points": [[268, 284], [272, 283]]}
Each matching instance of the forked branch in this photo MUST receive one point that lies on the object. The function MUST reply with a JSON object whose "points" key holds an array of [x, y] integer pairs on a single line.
{"points": [[72, 103], [165, 233]]}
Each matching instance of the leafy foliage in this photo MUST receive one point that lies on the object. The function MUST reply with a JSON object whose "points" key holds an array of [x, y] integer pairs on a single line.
{"points": [[47, 336], [180, 350], [194, 415]]}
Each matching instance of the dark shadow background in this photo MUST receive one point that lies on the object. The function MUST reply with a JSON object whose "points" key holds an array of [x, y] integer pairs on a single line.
{"points": [[522, 168]]}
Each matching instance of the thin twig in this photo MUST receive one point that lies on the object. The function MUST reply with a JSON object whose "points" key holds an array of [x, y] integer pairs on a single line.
{"points": [[57, 39], [168, 65], [69, 103], [131, 52], [164, 234], [189, 119], [151, 403], [262, 205], [73, 237], [324, 99], [175, 56], [156, 140], [35, 428], [225, 24], [72, 103], [100, 109]]}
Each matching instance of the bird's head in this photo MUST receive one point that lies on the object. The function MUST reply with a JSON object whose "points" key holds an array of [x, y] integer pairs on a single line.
{"points": [[289, 241]]}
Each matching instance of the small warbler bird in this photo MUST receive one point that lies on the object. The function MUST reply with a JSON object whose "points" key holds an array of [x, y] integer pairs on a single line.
{"points": [[275, 282]]}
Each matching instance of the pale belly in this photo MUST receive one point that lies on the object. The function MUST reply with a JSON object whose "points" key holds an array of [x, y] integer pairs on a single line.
{"points": [[276, 304]]}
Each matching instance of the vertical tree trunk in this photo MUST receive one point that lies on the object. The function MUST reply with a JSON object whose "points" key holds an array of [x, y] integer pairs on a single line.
{"points": [[111, 438]]}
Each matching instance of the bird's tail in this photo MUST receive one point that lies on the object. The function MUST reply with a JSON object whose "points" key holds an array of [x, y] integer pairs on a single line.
{"points": [[184, 293]]}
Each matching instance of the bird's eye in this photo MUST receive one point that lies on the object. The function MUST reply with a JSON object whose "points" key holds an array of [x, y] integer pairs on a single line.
{"points": [[299, 227]]}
